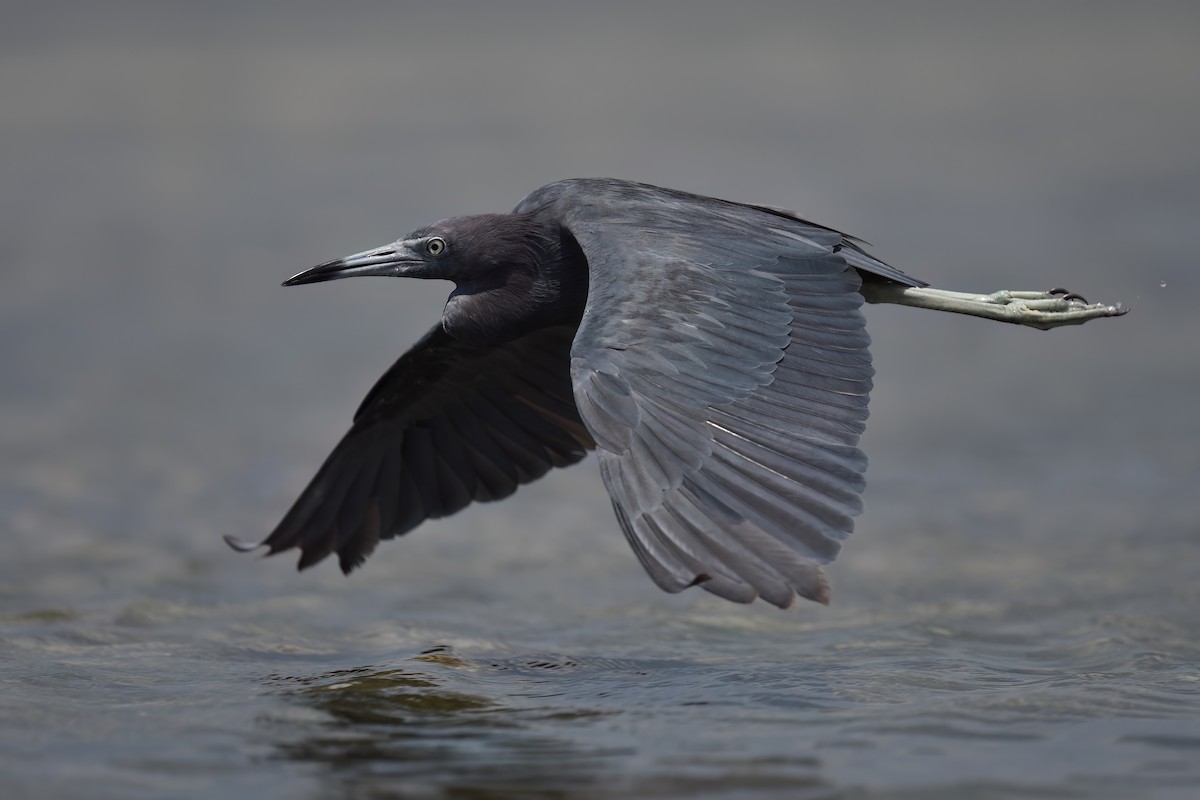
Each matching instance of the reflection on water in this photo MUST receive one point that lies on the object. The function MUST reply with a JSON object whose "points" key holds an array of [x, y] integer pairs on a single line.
{"points": [[363, 696], [385, 727], [948, 698], [531, 735]]}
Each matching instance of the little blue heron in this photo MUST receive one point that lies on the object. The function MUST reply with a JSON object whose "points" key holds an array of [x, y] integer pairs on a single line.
{"points": [[713, 353]]}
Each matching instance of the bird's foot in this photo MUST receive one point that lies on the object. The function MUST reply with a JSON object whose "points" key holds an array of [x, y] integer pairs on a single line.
{"points": [[1044, 310]]}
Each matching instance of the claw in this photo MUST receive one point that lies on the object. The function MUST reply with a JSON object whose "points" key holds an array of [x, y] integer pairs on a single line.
{"points": [[1058, 290], [1072, 296]]}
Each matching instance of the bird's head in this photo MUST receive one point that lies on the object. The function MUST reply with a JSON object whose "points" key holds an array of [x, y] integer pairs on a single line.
{"points": [[459, 249], [506, 268]]}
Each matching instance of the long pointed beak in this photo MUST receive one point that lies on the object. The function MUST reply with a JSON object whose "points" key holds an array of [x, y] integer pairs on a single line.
{"points": [[392, 259]]}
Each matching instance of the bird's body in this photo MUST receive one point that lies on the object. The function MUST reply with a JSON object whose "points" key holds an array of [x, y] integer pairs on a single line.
{"points": [[713, 353]]}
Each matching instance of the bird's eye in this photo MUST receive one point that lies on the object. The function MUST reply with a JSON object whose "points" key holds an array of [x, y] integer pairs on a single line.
{"points": [[435, 246]]}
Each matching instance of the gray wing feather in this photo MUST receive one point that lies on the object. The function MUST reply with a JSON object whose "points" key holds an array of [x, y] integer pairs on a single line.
{"points": [[722, 368]]}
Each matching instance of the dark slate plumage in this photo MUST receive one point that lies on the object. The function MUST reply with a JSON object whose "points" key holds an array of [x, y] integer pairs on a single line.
{"points": [[447, 425], [714, 354]]}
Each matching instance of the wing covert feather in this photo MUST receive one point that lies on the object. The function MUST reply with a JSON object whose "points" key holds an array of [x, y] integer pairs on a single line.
{"points": [[722, 367]]}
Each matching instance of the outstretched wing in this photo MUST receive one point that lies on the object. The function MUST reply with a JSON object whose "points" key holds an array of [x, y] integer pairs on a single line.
{"points": [[722, 368], [447, 425]]}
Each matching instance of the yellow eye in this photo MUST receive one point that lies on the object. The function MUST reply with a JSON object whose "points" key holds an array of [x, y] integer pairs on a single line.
{"points": [[435, 246]]}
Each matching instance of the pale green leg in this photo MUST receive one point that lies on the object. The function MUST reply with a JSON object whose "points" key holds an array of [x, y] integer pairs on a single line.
{"points": [[1044, 310]]}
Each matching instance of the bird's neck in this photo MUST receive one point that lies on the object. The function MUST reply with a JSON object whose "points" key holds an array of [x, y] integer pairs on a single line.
{"points": [[522, 295]]}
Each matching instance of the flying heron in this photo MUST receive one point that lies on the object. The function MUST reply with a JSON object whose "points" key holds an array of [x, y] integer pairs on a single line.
{"points": [[712, 353]]}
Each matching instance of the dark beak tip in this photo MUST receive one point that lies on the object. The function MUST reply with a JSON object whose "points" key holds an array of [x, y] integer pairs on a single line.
{"points": [[322, 272]]}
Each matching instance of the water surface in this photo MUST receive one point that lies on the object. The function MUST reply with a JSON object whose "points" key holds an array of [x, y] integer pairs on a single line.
{"points": [[1016, 615]]}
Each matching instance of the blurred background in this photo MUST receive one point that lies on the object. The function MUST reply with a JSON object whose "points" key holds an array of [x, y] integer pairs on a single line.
{"points": [[1016, 614]]}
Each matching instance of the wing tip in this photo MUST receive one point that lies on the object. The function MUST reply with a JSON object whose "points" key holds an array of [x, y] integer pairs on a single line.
{"points": [[241, 545], [310, 556], [349, 560], [816, 589]]}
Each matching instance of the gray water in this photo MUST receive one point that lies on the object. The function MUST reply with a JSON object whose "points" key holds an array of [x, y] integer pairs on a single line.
{"points": [[1015, 616]]}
